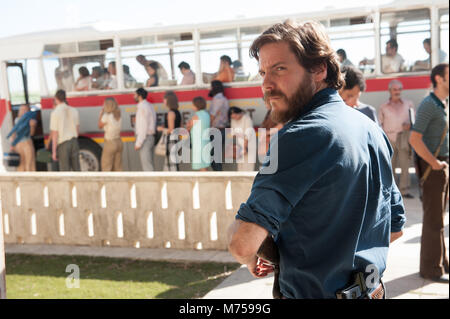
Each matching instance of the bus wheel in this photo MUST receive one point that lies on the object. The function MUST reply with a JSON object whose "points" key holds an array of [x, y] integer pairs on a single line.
{"points": [[90, 155]]}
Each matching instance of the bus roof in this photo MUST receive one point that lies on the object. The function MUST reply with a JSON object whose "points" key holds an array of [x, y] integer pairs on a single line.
{"points": [[31, 45]]}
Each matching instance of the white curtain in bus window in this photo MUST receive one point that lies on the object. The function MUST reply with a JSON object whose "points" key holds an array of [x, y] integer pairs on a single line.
{"points": [[153, 60], [403, 35], [248, 68], [82, 66], [353, 39], [214, 45], [443, 26]]}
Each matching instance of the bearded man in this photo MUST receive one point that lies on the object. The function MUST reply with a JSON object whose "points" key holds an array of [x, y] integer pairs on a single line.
{"points": [[332, 206]]}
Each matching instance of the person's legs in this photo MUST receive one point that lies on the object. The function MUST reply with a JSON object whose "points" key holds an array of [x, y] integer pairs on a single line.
{"points": [[404, 161], [146, 153], [117, 167], [20, 149], [62, 151], [75, 155], [432, 250], [107, 156]]}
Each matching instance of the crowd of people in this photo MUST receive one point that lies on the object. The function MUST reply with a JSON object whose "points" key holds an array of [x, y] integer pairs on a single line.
{"points": [[101, 78], [328, 149], [392, 61]]}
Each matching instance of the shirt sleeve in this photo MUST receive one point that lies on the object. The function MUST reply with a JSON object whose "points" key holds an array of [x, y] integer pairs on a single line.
{"points": [[398, 217], [53, 122], [300, 163], [423, 118]]}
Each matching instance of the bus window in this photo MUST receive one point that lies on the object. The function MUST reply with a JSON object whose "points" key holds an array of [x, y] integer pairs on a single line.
{"points": [[94, 70], [249, 65], [213, 45], [353, 40], [16, 84], [153, 60], [443, 26], [402, 33]]}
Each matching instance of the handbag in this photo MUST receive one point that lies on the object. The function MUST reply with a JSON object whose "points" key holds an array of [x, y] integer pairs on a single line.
{"points": [[11, 159], [43, 155], [161, 146]]}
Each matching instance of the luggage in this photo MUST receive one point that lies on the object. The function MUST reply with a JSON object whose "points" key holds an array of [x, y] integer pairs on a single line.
{"points": [[11, 159]]}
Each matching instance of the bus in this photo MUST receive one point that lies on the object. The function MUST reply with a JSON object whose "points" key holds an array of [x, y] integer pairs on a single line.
{"points": [[34, 66]]}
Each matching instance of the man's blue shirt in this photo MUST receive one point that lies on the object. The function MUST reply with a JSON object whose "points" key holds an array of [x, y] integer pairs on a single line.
{"points": [[332, 203]]}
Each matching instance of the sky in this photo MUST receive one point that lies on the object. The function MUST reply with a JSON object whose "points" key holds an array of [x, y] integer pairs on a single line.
{"points": [[25, 16]]}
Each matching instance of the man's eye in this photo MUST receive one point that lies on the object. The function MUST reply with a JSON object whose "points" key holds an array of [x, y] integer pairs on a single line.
{"points": [[281, 68], [261, 73]]}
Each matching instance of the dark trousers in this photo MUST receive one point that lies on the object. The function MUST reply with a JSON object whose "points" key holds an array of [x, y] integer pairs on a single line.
{"points": [[68, 155], [214, 165], [433, 255]]}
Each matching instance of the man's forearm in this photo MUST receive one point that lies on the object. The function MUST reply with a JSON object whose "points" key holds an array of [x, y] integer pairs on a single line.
{"points": [[422, 150]]}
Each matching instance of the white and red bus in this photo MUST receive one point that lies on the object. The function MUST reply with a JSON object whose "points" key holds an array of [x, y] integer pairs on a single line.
{"points": [[34, 66]]}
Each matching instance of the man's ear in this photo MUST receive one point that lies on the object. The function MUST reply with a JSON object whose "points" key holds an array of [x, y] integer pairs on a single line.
{"points": [[319, 73]]}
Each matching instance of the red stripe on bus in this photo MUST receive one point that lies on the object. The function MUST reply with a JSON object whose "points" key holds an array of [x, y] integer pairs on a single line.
{"points": [[99, 134], [409, 83], [4, 108], [373, 85]]}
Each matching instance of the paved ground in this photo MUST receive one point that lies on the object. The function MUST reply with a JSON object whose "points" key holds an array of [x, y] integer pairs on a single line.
{"points": [[401, 277]]}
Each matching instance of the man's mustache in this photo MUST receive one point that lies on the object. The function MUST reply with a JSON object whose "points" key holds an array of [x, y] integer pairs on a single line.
{"points": [[273, 93]]}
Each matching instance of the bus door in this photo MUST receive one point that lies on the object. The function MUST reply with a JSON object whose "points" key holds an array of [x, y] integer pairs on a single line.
{"points": [[19, 95]]}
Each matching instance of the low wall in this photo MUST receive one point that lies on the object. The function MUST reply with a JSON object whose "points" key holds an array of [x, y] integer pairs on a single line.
{"points": [[182, 210]]}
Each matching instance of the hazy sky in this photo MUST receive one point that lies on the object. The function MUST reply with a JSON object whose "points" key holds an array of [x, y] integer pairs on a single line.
{"points": [[24, 16]]}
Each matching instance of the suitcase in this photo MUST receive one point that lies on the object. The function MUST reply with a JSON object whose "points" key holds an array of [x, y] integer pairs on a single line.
{"points": [[11, 159]]}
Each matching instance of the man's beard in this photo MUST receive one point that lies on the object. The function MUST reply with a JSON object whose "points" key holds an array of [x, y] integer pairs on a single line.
{"points": [[296, 102]]}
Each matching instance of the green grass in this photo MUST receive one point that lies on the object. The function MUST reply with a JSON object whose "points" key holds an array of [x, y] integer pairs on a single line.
{"points": [[42, 277]]}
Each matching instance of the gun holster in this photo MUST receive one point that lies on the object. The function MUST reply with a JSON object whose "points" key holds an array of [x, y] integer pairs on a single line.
{"points": [[356, 290]]}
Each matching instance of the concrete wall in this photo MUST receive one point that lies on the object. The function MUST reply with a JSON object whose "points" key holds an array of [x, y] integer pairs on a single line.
{"points": [[183, 210]]}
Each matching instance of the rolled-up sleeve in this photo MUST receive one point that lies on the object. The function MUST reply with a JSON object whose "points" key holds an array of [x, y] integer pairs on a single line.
{"points": [[398, 218], [273, 196]]}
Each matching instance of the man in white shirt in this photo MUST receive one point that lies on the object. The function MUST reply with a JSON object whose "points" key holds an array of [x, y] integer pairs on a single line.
{"points": [[392, 62], [64, 130], [112, 85], [145, 130]]}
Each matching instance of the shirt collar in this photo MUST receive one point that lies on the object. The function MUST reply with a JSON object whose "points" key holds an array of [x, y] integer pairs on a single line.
{"points": [[322, 97], [437, 100]]}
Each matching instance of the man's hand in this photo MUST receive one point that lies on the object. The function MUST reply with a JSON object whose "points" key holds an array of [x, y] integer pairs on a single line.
{"points": [[395, 236], [137, 148], [439, 165], [406, 126]]}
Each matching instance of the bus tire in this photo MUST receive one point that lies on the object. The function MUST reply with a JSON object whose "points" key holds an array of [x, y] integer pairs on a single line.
{"points": [[90, 155]]}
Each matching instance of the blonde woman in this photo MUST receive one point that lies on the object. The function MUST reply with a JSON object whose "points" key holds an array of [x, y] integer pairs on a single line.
{"points": [[111, 122]]}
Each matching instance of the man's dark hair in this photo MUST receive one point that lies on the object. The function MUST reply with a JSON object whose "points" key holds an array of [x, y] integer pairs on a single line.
{"points": [[184, 65], [60, 95], [142, 93], [342, 53], [83, 71], [427, 41], [199, 102], [353, 77], [234, 110], [216, 87], [309, 42], [226, 58], [393, 43], [438, 70]]}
